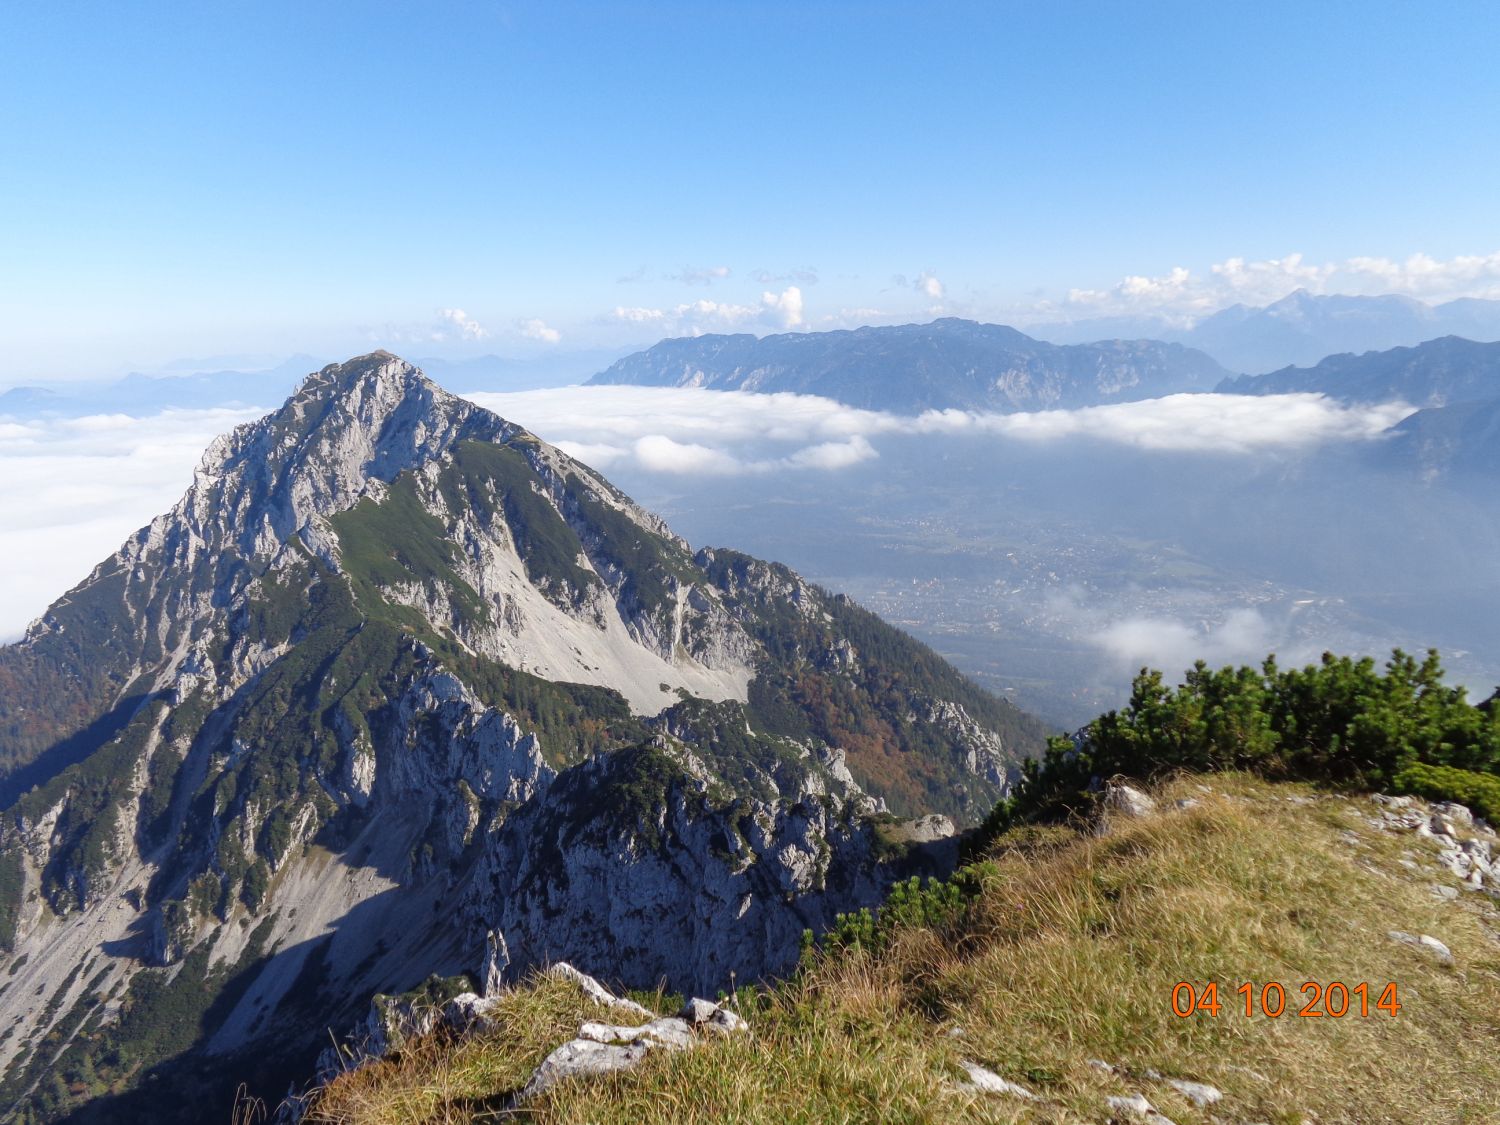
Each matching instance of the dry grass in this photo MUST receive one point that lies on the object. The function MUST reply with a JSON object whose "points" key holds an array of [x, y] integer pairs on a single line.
{"points": [[1071, 954], [445, 1079]]}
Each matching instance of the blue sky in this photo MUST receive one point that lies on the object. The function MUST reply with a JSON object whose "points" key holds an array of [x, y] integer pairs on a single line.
{"points": [[184, 179]]}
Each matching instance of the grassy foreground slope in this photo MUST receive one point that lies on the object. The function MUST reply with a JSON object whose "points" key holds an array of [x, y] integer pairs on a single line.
{"points": [[1066, 950]]}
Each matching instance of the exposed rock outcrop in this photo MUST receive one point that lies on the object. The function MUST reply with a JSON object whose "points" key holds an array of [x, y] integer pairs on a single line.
{"points": [[399, 689]]}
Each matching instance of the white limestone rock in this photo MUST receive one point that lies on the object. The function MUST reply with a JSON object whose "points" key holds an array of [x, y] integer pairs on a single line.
{"points": [[596, 991], [1425, 942], [468, 1010], [496, 961], [986, 1081], [708, 1016], [1458, 814], [1201, 1094], [670, 1032], [1122, 801], [581, 1058]]}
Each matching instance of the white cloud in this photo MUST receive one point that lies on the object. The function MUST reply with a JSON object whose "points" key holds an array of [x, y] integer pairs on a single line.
{"points": [[1183, 296], [832, 454], [89, 484], [468, 328], [687, 429], [782, 310], [1473, 275], [785, 308], [1200, 627], [1244, 635], [1202, 423], [638, 315], [658, 453], [534, 328], [926, 283]]}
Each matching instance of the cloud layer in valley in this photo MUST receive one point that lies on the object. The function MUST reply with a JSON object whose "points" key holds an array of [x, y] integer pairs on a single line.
{"points": [[1170, 638], [689, 430], [75, 488]]}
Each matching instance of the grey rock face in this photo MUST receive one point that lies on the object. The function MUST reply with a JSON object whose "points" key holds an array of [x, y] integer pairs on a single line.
{"points": [[629, 864], [416, 693]]}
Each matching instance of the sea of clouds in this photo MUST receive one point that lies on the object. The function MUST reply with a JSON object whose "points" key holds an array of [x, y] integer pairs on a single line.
{"points": [[71, 490], [689, 430]]}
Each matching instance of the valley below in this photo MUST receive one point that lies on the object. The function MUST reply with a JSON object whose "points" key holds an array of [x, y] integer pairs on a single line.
{"points": [[1054, 576]]}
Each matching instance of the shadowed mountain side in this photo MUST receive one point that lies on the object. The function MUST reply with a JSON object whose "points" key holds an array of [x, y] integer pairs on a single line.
{"points": [[1438, 372]]}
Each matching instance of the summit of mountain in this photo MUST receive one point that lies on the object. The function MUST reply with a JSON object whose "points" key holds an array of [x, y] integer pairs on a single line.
{"points": [[397, 684]]}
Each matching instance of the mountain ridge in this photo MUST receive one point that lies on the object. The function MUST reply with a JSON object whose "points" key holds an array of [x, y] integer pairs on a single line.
{"points": [[947, 364], [1437, 372], [336, 720]]}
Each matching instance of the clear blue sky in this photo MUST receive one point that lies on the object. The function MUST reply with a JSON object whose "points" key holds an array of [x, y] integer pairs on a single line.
{"points": [[190, 179]]}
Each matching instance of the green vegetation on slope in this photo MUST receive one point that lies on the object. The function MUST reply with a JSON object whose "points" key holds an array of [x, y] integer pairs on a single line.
{"points": [[876, 709], [1479, 791], [1341, 722], [721, 735], [496, 479], [397, 542], [80, 667], [161, 1014], [652, 566]]}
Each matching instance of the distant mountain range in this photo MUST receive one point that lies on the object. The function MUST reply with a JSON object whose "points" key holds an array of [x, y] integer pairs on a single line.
{"points": [[1460, 439], [948, 364], [1456, 383], [1299, 329], [1437, 373]]}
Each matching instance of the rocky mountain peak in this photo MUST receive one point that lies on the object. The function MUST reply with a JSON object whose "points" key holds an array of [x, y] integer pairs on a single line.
{"points": [[387, 625], [378, 375], [376, 404], [348, 430]]}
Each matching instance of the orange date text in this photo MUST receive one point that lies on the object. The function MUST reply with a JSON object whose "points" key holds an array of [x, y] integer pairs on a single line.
{"points": [[1309, 1000]]}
